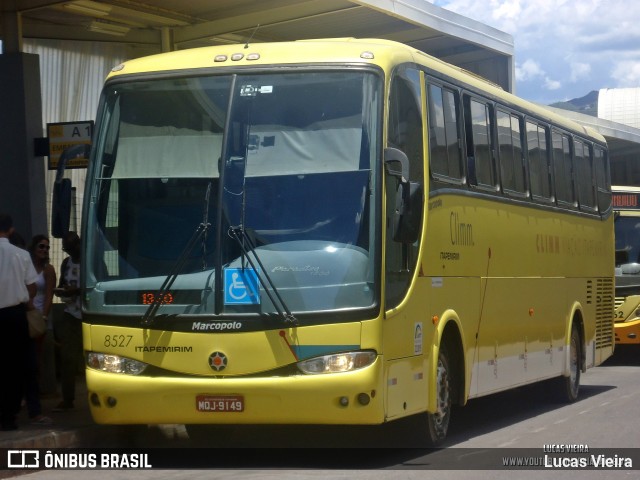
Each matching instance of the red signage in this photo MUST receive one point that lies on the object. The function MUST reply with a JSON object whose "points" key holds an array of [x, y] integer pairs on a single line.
{"points": [[626, 200]]}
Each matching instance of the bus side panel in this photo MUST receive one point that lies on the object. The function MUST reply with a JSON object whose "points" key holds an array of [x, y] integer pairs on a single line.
{"points": [[529, 267], [412, 333], [521, 335], [406, 386]]}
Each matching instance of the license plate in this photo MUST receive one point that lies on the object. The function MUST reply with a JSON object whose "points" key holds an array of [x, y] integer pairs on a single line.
{"points": [[220, 403]]}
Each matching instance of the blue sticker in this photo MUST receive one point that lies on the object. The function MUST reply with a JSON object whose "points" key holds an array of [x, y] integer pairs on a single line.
{"points": [[241, 286]]}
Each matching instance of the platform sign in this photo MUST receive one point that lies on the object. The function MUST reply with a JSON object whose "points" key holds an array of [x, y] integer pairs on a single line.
{"points": [[65, 135], [241, 286]]}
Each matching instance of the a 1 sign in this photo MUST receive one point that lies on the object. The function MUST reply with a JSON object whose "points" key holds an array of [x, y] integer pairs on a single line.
{"points": [[64, 135]]}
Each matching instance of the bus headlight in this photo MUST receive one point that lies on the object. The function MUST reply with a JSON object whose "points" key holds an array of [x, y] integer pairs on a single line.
{"points": [[338, 362], [115, 364]]}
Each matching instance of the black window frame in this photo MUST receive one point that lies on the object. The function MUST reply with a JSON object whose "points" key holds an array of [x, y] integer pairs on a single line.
{"points": [[546, 130], [582, 174], [561, 200], [603, 180], [546, 161], [471, 151], [522, 164], [431, 82]]}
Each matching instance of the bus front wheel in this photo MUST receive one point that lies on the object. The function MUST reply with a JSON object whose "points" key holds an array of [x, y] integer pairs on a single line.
{"points": [[438, 422]]}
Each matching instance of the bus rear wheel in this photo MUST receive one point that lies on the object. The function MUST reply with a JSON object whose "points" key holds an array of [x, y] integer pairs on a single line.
{"points": [[438, 421], [571, 384]]}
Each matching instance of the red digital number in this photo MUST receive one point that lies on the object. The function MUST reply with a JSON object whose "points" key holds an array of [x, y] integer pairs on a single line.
{"points": [[148, 298]]}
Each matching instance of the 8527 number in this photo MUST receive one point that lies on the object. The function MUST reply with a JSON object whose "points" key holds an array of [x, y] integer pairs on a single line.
{"points": [[115, 341]]}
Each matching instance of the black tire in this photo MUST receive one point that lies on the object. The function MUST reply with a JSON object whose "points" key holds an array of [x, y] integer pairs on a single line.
{"points": [[131, 436], [570, 386], [438, 422]]}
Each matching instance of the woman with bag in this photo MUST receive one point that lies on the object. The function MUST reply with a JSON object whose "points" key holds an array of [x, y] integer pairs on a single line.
{"points": [[42, 378]]}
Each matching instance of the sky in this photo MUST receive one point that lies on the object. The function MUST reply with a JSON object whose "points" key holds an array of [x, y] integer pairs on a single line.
{"points": [[564, 48]]}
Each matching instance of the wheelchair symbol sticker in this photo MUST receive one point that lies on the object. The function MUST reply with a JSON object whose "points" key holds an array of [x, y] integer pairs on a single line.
{"points": [[241, 286]]}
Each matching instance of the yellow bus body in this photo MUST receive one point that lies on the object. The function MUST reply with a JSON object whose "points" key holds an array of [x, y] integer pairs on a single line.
{"points": [[628, 333], [510, 278]]}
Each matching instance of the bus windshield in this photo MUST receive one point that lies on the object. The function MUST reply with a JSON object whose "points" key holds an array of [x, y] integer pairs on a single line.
{"points": [[627, 235], [219, 154]]}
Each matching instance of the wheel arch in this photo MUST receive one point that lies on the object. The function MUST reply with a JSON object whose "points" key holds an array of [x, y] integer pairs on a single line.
{"points": [[449, 335]]}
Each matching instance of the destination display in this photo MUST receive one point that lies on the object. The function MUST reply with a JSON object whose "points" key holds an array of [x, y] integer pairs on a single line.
{"points": [[625, 200], [146, 297]]}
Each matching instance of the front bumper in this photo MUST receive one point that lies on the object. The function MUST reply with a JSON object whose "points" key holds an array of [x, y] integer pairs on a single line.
{"points": [[343, 398], [627, 333]]}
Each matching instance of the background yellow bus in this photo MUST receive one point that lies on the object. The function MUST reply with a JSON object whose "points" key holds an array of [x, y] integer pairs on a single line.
{"points": [[626, 205], [335, 232]]}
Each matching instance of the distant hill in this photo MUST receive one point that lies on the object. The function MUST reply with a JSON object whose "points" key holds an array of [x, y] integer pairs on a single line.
{"points": [[587, 104]]}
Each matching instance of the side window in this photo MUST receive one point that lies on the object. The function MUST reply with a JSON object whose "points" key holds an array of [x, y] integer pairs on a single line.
{"points": [[405, 121], [444, 143], [563, 170], [539, 168], [512, 170], [479, 143], [405, 133], [603, 179], [585, 178]]}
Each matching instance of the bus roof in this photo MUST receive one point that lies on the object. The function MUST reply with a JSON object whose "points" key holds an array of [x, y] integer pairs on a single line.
{"points": [[380, 52], [276, 53]]}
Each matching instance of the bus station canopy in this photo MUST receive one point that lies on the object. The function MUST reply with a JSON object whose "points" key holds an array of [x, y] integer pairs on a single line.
{"points": [[164, 25]]}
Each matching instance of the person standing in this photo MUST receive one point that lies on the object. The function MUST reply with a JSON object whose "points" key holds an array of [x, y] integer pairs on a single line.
{"points": [[43, 302], [17, 288], [70, 326], [32, 391]]}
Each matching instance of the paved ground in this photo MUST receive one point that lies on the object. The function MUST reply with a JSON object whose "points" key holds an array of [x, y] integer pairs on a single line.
{"points": [[69, 429]]}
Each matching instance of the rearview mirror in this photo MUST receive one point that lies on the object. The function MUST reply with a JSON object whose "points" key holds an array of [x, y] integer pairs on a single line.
{"points": [[61, 200], [394, 156]]}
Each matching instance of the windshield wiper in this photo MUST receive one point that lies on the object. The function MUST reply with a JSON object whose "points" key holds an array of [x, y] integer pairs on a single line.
{"points": [[152, 310], [234, 164], [249, 250]]}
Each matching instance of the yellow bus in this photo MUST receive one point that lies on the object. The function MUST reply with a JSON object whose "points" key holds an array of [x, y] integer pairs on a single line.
{"points": [[335, 232], [626, 206]]}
